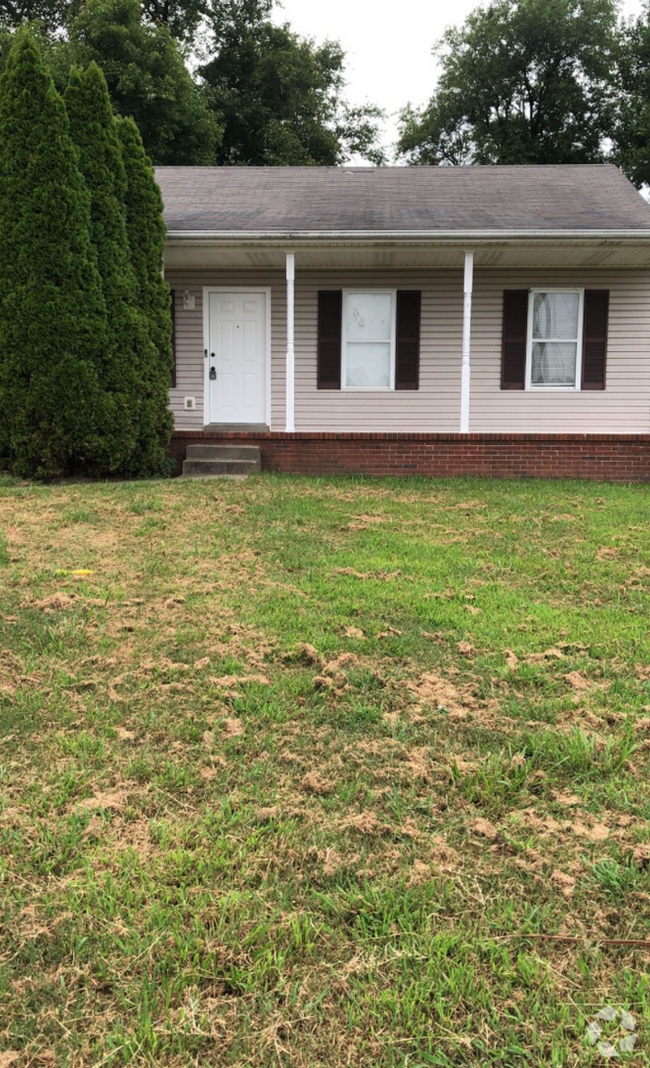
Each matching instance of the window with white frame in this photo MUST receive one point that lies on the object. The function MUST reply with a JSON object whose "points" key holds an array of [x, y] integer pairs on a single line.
{"points": [[368, 339], [554, 339]]}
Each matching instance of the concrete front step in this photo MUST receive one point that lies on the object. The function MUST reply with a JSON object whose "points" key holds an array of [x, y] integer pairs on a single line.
{"points": [[224, 452], [217, 468], [206, 460]]}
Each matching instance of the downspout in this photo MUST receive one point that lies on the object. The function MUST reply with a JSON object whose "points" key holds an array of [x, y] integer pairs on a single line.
{"points": [[467, 325]]}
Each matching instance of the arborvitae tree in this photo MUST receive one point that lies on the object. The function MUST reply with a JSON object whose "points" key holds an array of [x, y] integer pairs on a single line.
{"points": [[146, 234], [52, 316], [94, 129]]}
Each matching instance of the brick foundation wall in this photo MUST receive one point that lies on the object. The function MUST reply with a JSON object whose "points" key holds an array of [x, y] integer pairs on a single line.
{"points": [[601, 457]]}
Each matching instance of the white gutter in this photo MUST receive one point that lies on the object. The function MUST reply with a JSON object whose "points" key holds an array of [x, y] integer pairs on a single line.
{"points": [[456, 236]]}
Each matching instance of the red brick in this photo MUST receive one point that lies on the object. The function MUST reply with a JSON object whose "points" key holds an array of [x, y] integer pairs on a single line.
{"points": [[610, 457]]}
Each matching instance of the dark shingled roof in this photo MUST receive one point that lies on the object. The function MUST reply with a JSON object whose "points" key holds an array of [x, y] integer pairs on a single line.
{"points": [[431, 199]]}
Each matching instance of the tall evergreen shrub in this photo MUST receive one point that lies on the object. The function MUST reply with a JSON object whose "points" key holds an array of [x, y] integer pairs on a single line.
{"points": [[94, 130], [146, 234], [52, 316]]}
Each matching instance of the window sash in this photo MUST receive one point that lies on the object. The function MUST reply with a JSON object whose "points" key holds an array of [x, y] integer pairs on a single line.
{"points": [[392, 293], [577, 341]]}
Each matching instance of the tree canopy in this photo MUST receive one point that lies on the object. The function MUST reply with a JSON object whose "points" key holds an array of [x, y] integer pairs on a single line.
{"points": [[144, 66], [522, 81], [280, 97], [51, 14], [147, 80], [632, 126], [263, 94], [181, 17]]}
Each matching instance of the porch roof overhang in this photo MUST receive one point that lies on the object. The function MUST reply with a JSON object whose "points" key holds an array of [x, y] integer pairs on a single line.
{"points": [[373, 249]]}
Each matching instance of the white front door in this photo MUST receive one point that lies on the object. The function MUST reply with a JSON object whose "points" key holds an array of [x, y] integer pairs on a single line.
{"points": [[236, 357]]}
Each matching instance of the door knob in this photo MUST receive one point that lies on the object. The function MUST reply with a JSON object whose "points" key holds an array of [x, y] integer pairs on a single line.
{"points": [[213, 374]]}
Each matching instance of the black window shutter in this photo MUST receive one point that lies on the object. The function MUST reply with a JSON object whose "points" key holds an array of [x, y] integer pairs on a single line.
{"points": [[594, 338], [330, 310], [172, 297], [407, 367], [513, 351]]}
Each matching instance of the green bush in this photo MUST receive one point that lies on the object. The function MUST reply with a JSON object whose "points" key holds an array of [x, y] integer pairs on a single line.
{"points": [[52, 315], [85, 318], [128, 348], [146, 235]]}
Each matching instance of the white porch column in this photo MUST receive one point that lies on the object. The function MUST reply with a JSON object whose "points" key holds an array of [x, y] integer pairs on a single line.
{"points": [[467, 325], [290, 363]]}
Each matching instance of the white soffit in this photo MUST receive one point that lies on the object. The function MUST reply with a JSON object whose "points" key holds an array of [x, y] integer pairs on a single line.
{"points": [[195, 253]]}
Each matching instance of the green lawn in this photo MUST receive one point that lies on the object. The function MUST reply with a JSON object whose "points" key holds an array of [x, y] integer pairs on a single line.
{"points": [[296, 772]]}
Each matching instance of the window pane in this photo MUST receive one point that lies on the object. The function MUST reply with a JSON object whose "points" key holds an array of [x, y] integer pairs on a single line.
{"points": [[553, 364], [368, 316], [368, 365], [556, 315]]}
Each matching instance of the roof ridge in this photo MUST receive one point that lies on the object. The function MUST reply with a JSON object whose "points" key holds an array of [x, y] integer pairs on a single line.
{"points": [[426, 168]]}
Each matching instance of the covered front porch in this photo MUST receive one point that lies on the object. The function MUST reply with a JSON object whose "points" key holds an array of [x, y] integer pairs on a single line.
{"points": [[458, 389]]}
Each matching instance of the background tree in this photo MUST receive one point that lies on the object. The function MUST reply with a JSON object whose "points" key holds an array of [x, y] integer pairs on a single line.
{"points": [[51, 14], [52, 317], [280, 97], [522, 81], [181, 17], [632, 127], [147, 80], [146, 234], [94, 130]]}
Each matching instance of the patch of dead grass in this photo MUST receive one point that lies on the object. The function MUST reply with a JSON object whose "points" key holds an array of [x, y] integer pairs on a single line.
{"points": [[431, 690], [112, 799], [316, 783], [233, 727], [484, 828]]}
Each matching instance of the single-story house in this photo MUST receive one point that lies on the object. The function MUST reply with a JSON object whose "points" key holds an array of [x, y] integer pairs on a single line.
{"points": [[433, 320]]}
